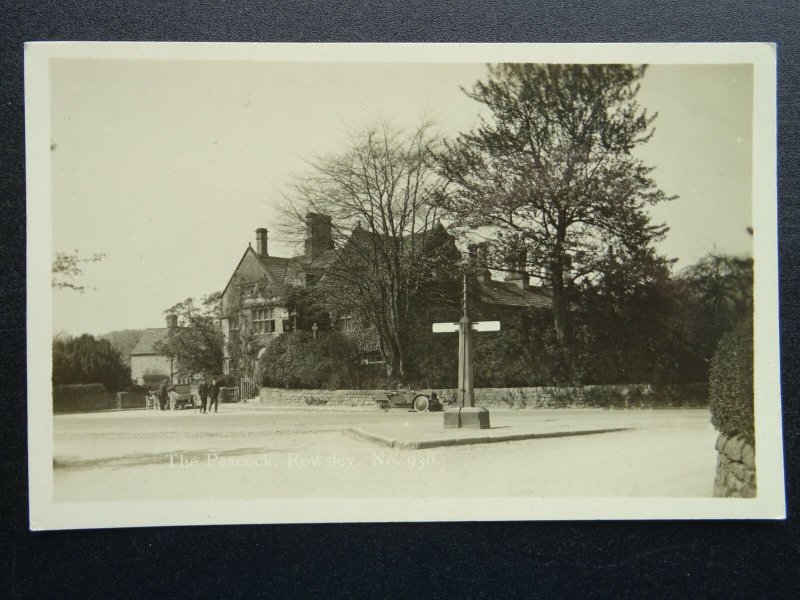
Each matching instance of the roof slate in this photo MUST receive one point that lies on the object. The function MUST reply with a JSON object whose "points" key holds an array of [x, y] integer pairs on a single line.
{"points": [[149, 339], [507, 293], [284, 272]]}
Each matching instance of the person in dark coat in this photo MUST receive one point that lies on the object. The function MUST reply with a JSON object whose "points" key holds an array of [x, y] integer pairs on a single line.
{"points": [[163, 393], [202, 392], [213, 393]]}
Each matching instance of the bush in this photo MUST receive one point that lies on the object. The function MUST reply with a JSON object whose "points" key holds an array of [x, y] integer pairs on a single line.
{"points": [[297, 360], [85, 360], [731, 383]]}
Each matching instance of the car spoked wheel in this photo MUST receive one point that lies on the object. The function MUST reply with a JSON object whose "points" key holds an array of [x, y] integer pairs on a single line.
{"points": [[421, 403]]}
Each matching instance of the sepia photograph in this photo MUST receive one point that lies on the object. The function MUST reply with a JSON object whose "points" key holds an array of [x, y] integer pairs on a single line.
{"points": [[295, 283]]}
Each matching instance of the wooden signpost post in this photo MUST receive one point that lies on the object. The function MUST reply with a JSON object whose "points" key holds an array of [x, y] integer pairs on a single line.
{"points": [[466, 414]]}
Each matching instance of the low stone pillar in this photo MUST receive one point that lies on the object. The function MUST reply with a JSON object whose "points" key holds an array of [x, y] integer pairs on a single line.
{"points": [[736, 468]]}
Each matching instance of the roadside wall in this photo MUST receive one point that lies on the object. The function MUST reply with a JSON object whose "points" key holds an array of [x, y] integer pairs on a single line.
{"points": [[130, 400], [736, 468], [618, 396]]}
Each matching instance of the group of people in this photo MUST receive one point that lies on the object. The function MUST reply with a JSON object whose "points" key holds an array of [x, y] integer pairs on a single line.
{"points": [[208, 395]]}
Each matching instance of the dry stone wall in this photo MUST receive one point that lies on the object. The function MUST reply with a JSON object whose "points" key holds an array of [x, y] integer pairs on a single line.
{"points": [[620, 396], [736, 468]]}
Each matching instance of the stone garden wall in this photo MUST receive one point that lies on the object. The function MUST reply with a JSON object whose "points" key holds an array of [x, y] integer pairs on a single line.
{"points": [[736, 468], [605, 396]]}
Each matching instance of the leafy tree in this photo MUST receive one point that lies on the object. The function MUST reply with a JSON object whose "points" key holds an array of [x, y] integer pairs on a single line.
{"points": [[552, 173], [85, 359], [196, 343], [67, 269], [388, 245], [717, 294], [628, 318]]}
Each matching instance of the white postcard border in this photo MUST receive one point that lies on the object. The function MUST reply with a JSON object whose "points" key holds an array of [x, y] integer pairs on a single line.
{"points": [[47, 514]]}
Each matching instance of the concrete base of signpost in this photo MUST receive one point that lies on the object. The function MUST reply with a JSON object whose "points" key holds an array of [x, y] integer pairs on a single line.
{"points": [[468, 417]]}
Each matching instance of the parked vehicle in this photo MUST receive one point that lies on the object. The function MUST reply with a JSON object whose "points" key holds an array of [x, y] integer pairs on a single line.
{"points": [[181, 397], [410, 400]]}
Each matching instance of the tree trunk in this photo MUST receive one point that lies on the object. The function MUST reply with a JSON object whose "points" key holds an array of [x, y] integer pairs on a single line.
{"points": [[559, 307], [560, 303]]}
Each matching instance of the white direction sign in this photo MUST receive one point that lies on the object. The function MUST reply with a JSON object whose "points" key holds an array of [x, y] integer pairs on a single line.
{"points": [[477, 326], [486, 326]]}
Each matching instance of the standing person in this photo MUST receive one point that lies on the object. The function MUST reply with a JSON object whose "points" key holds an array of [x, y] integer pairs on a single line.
{"points": [[216, 385], [163, 393], [202, 392]]}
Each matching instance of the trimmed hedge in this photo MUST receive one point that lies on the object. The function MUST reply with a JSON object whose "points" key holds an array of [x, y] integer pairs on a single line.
{"points": [[731, 383], [81, 396]]}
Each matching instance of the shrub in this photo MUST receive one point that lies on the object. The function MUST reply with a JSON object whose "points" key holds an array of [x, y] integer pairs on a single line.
{"points": [[87, 360], [731, 383], [297, 360]]}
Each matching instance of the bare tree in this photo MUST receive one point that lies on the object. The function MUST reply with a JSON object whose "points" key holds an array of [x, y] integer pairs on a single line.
{"points": [[67, 269], [387, 243]]}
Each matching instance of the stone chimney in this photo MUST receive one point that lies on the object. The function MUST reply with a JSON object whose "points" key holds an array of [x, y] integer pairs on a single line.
{"points": [[518, 272], [478, 259], [172, 321], [261, 241], [319, 234], [479, 255], [472, 256], [521, 280]]}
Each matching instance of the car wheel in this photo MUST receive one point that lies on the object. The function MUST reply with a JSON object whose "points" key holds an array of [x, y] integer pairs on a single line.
{"points": [[421, 403]]}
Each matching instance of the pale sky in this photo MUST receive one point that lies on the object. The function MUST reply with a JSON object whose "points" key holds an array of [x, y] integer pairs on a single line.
{"points": [[169, 167]]}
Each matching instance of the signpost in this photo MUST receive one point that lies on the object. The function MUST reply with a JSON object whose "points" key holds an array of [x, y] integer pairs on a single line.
{"points": [[466, 414]]}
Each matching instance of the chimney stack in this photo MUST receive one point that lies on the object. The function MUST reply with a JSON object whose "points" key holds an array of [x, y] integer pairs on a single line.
{"points": [[319, 234], [172, 321], [472, 256], [261, 241], [519, 271]]}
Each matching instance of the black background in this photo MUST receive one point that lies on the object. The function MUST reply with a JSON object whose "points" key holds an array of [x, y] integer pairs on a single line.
{"points": [[731, 559]]}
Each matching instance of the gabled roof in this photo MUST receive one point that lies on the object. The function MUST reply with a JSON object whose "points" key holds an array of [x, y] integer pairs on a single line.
{"points": [[282, 272], [272, 267], [507, 293], [149, 339]]}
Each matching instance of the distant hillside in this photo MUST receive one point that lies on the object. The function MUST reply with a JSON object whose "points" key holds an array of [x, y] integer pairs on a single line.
{"points": [[124, 341]]}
